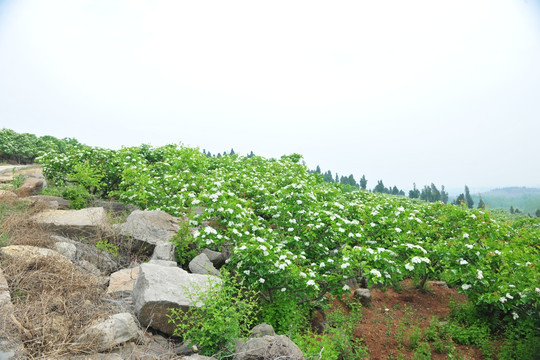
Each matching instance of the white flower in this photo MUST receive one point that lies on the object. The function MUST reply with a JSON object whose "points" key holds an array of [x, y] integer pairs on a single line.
{"points": [[398, 230], [261, 280], [299, 202], [469, 246], [373, 224], [416, 260], [283, 289], [502, 299], [409, 267], [375, 272], [311, 283], [246, 272], [497, 252], [463, 262], [509, 296], [302, 274], [465, 286], [345, 287], [322, 265], [290, 229], [473, 216], [515, 315], [479, 274], [465, 236], [537, 290], [345, 265]]}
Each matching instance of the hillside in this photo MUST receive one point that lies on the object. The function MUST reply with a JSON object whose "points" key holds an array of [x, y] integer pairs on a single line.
{"points": [[299, 244], [527, 200]]}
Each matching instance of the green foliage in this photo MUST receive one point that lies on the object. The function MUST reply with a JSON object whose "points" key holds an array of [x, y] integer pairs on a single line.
{"points": [[184, 246], [227, 313], [105, 245], [284, 313], [78, 195], [17, 181], [295, 237], [338, 341]]}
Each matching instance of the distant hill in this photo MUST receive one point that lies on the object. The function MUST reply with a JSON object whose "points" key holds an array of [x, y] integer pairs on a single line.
{"points": [[527, 200]]}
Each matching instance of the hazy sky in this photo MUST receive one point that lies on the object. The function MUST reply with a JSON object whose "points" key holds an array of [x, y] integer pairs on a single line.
{"points": [[404, 91]]}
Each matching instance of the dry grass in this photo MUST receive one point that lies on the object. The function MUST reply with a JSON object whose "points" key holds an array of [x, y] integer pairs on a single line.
{"points": [[52, 301]]}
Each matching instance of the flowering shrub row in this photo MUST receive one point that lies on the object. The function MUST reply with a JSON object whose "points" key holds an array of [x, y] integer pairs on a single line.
{"points": [[294, 236]]}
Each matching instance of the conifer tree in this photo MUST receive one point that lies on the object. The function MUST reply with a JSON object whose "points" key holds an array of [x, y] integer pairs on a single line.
{"points": [[414, 193], [481, 204], [318, 170], [363, 182], [468, 199], [444, 195]]}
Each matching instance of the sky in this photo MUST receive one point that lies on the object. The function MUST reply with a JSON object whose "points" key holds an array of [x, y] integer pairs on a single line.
{"points": [[417, 91]]}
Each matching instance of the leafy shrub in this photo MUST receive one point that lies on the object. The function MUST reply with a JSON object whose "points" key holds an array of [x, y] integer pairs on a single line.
{"points": [[227, 313]]}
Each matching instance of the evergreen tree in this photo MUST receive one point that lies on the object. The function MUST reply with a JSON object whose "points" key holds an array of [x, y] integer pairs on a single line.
{"points": [[337, 178], [435, 193], [468, 199], [481, 204], [401, 192], [363, 182], [460, 200], [444, 195], [328, 176], [414, 193], [537, 213], [318, 170], [379, 188], [395, 190], [511, 209], [232, 152], [250, 155]]}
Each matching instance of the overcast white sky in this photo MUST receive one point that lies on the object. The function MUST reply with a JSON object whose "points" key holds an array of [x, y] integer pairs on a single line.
{"points": [[404, 91]]}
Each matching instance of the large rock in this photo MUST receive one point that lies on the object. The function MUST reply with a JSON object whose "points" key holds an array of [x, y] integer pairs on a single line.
{"points": [[202, 265], [50, 202], [103, 260], [21, 253], [262, 330], [217, 258], [269, 347], [114, 207], [364, 295], [160, 288], [164, 250], [31, 186], [117, 329], [83, 222], [121, 282], [148, 228], [6, 195]]}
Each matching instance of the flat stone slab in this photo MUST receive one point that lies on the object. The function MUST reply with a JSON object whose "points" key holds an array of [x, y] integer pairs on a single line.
{"points": [[33, 253], [83, 222], [122, 281], [160, 288]]}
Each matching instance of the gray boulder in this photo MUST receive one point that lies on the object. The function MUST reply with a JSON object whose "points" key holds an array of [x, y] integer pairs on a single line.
{"points": [[364, 295], [89, 221], [202, 265], [160, 288], [50, 202], [6, 195], [20, 253], [262, 330], [114, 207], [164, 250], [148, 228], [31, 186], [269, 347], [104, 261], [217, 258], [117, 329]]}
